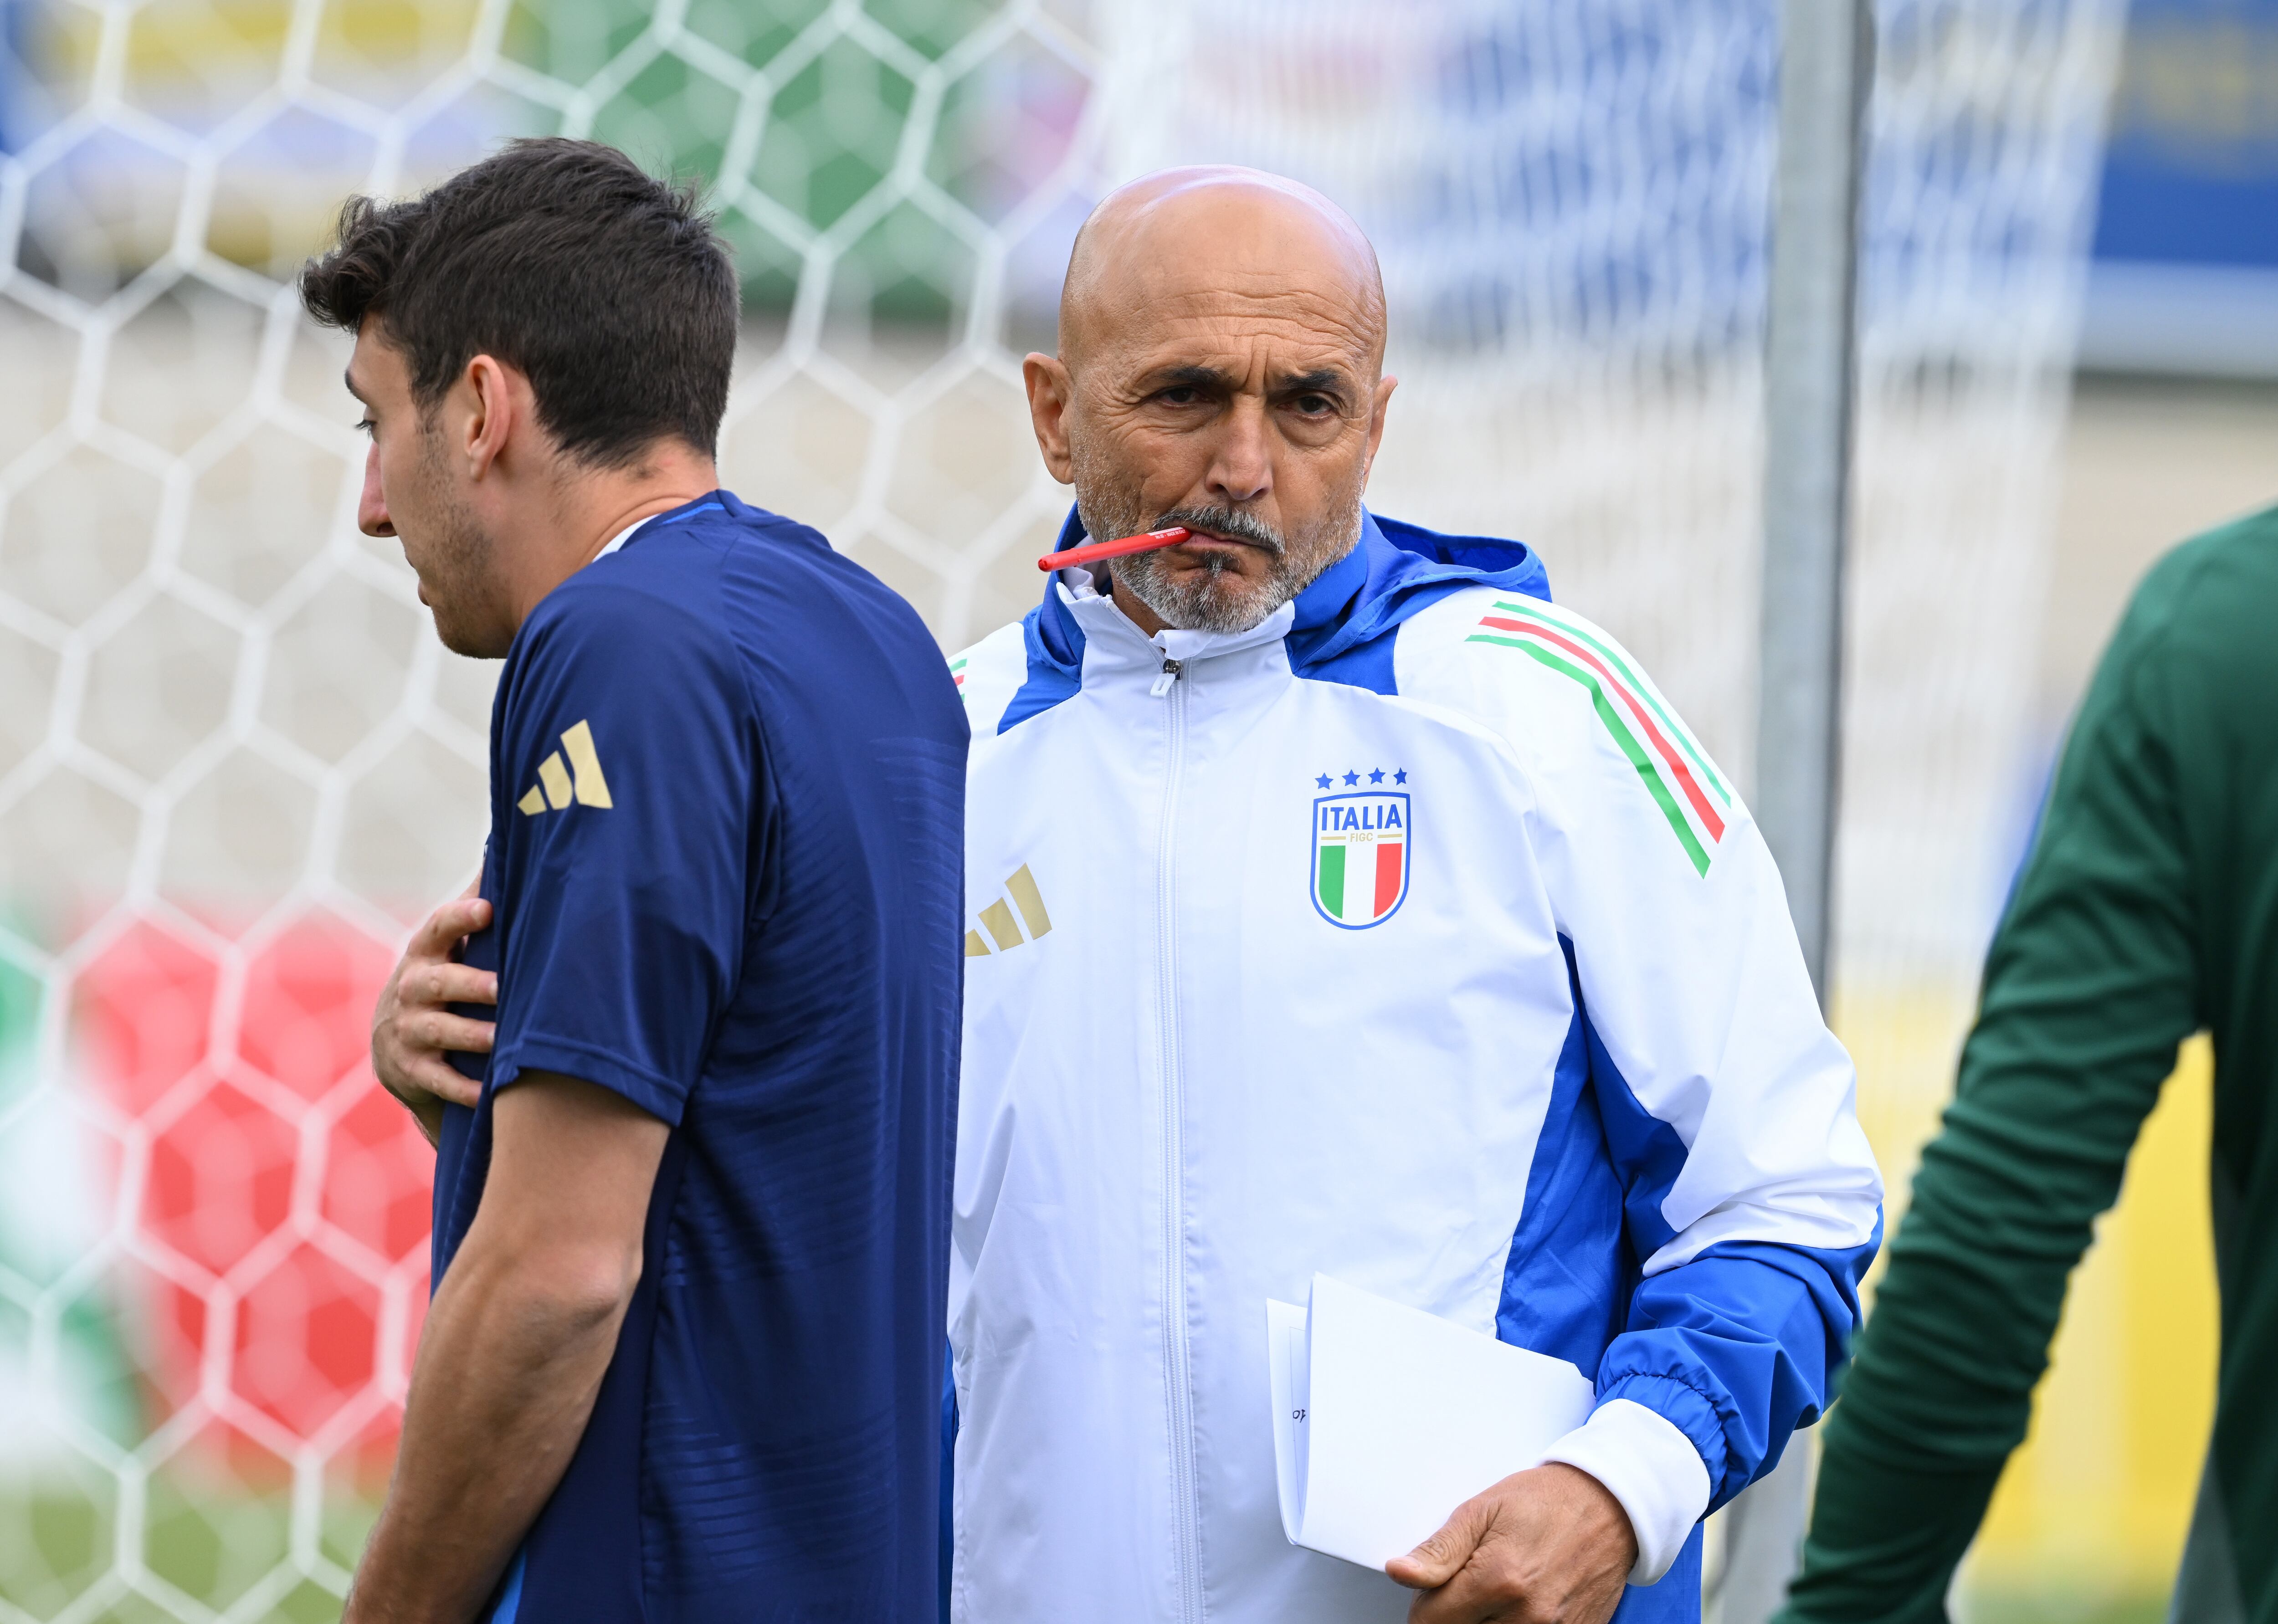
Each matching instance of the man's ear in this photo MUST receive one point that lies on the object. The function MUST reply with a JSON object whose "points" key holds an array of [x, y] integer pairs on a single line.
{"points": [[489, 391], [1384, 388], [1050, 390]]}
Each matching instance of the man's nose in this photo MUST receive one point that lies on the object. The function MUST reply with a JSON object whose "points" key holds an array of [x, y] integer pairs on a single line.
{"points": [[1241, 467], [371, 507]]}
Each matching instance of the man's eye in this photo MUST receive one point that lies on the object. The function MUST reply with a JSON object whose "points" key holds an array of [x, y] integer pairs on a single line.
{"points": [[364, 424], [1315, 405], [1184, 395]]}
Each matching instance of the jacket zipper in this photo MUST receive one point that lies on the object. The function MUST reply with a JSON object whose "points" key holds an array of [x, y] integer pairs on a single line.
{"points": [[1177, 1378]]}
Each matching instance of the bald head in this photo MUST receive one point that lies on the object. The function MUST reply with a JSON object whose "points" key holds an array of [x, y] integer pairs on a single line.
{"points": [[1184, 240]]}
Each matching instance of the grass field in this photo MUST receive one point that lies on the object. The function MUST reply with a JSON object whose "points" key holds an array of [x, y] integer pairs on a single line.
{"points": [[204, 1551], [212, 1552], [2060, 1607]]}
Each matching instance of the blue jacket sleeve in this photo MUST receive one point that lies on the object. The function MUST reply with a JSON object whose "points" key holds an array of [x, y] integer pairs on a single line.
{"points": [[1740, 1343], [1738, 1348]]}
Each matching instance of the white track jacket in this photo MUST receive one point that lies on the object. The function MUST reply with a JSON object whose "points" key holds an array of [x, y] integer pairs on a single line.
{"points": [[1409, 938]]}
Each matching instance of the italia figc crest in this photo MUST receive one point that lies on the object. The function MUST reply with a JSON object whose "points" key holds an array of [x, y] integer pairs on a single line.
{"points": [[1361, 847]]}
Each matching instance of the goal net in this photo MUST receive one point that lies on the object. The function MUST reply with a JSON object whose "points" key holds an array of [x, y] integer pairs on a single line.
{"points": [[236, 766]]}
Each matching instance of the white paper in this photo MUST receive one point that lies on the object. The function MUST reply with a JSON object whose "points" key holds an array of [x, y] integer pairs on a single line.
{"points": [[1387, 1418]]}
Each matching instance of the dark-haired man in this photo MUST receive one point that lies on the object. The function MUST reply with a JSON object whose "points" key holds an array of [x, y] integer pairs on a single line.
{"points": [[683, 1356]]}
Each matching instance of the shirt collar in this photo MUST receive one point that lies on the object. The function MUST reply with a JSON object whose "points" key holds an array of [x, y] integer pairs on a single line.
{"points": [[623, 536]]}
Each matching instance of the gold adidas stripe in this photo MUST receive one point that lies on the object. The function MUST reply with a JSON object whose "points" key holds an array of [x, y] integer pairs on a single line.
{"points": [[593, 789], [1022, 889], [999, 919], [556, 777]]}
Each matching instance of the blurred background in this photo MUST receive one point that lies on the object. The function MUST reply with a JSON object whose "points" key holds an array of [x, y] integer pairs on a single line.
{"points": [[235, 766]]}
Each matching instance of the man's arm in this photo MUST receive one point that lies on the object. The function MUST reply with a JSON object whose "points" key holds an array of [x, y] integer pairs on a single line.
{"points": [[515, 1347], [1749, 1197], [2090, 985]]}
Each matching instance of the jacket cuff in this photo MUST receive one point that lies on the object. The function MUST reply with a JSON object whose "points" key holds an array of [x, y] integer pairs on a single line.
{"points": [[1651, 1467]]}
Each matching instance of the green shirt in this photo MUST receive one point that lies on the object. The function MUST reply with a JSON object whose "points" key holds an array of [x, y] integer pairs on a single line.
{"points": [[2149, 910]]}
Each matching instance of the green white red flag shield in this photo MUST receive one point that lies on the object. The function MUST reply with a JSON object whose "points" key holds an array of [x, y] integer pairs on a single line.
{"points": [[1360, 857]]}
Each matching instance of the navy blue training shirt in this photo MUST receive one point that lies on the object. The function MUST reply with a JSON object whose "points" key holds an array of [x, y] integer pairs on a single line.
{"points": [[726, 862]]}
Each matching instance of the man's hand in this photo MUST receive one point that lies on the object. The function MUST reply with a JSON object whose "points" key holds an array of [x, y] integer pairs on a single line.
{"points": [[411, 1029], [1545, 1546]]}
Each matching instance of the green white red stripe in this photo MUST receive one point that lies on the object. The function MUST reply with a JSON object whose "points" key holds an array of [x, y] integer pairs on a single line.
{"points": [[1360, 883], [1672, 766], [957, 672]]}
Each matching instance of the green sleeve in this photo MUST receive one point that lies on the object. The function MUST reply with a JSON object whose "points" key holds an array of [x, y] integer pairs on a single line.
{"points": [[2090, 985]]}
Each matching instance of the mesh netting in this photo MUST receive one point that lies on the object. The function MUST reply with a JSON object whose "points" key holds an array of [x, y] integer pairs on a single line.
{"points": [[1570, 201], [236, 766]]}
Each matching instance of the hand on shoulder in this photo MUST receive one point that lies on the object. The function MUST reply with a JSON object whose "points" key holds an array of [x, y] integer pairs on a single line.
{"points": [[412, 1027]]}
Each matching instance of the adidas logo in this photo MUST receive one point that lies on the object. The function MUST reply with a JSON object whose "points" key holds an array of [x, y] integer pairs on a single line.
{"points": [[997, 918], [558, 785]]}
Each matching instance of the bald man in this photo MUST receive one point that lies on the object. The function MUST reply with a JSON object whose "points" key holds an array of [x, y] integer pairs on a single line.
{"points": [[1338, 905]]}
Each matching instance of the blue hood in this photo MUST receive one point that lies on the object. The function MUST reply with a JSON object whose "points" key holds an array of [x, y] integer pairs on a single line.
{"points": [[1345, 619]]}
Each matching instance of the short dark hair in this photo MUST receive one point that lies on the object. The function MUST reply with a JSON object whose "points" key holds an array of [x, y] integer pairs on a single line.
{"points": [[605, 286]]}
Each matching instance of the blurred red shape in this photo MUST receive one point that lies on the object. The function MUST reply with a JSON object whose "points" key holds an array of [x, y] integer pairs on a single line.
{"points": [[307, 1017], [146, 1006], [308, 1340], [224, 1165], [221, 1177], [378, 1175]]}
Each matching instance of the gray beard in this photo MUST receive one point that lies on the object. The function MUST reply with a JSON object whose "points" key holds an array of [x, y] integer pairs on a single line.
{"points": [[1202, 600]]}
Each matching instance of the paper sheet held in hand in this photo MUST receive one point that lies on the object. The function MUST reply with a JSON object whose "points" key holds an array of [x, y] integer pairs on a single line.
{"points": [[1386, 1419]]}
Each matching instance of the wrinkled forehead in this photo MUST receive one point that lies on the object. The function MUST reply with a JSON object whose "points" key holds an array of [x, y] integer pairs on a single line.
{"points": [[1253, 339], [1236, 324], [1241, 264]]}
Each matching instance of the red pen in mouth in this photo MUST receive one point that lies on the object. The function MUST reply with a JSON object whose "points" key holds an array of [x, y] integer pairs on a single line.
{"points": [[1075, 558], [1177, 535]]}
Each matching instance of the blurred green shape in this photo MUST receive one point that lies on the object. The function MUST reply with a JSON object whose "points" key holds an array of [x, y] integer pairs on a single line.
{"points": [[755, 30], [2056, 1603], [570, 41], [674, 118], [932, 26], [907, 267], [832, 117], [209, 1538], [212, 1541], [831, 133], [57, 1533], [770, 266], [52, 1212]]}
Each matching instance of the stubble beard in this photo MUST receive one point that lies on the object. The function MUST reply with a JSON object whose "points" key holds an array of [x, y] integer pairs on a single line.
{"points": [[1212, 598], [455, 564]]}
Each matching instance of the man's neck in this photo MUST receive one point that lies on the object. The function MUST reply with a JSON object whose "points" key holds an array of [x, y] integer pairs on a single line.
{"points": [[592, 509]]}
